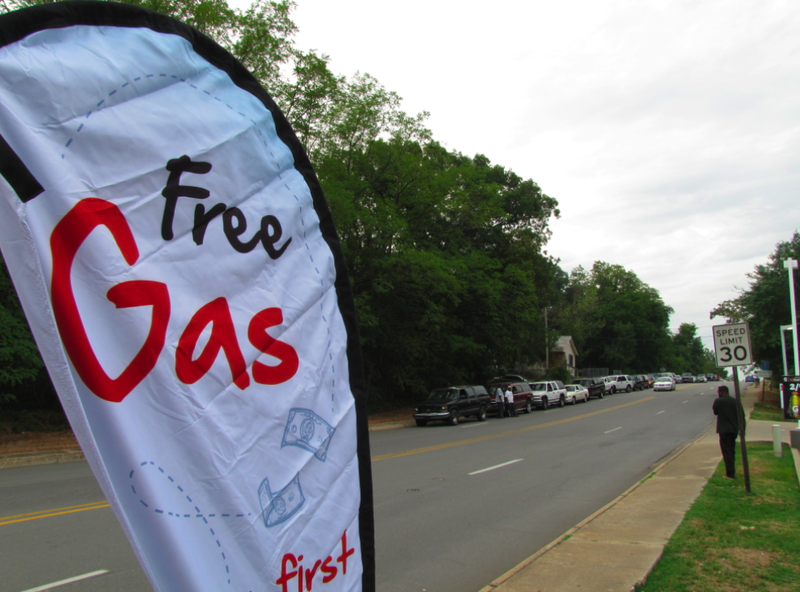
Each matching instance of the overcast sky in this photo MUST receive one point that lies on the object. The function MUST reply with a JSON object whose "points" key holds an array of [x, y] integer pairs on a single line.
{"points": [[668, 131]]}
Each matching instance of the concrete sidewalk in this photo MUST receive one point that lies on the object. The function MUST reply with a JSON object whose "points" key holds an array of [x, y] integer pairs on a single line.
{"points": [[617, 547]]}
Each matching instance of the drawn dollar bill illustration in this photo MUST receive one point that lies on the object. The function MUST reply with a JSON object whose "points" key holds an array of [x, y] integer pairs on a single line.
{"points": [[309, 431], [279, 507]]}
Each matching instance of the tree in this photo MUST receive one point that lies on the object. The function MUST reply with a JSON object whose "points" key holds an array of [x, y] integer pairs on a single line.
{"points": [[765, 304], [444, 251], [19, 358], [616, 320]]}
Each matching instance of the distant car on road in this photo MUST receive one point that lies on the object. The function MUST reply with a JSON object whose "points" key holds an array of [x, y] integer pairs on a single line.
{"points": [[664, 383], [451, 403], [687, 377], [575, 393]]}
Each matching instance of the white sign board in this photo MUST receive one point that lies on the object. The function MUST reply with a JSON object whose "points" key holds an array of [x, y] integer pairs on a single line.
{"points": [[732, 344]]}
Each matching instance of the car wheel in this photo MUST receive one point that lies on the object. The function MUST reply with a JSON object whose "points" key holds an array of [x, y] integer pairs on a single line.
{"points": [[613, 390], [453, 419], [629, 389], [544, 403], [561, 401], [481, 414], [528, 407], [602, 394], [421, 423]]}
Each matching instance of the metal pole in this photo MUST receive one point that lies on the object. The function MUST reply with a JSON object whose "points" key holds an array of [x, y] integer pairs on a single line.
{"points": [[742, 443], [783, 349], [791, 265]]}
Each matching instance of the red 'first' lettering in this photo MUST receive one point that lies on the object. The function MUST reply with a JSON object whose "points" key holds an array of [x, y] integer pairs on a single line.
{"points": [[291, 568]]}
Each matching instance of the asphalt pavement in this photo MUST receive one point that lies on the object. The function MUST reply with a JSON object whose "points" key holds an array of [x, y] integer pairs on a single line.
{"points": [[616, 547]]}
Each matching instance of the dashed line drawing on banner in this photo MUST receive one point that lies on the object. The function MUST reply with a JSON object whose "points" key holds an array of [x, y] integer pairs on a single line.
{"points": [[196, 514]]}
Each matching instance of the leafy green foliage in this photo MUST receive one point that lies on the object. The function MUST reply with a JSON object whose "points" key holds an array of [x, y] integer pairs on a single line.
{"points": [[19, 357], [765, 304], [616, 320]]}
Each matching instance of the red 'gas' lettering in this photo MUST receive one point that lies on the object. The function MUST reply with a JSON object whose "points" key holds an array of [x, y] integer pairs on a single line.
{"points": [[223, 337], [65, 241], [67, 237], [258, 336]]}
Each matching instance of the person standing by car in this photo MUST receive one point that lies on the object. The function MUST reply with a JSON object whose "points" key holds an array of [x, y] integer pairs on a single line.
{"points": [[727, 409], [511, 409], [500, 400]]}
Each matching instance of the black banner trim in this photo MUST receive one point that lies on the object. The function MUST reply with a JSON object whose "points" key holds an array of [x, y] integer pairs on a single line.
{"points": [[17, 174]]}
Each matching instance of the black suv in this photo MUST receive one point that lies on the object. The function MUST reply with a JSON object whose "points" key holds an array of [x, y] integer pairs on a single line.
{"points": [[595, 386], [451, 403]]}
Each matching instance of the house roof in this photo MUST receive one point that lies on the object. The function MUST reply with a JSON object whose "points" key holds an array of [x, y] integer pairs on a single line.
{"points": [[564, 344]]}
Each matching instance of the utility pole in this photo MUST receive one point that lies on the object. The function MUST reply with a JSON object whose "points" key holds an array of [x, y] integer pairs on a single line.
{"points": [[546, 343], [791, 265]]}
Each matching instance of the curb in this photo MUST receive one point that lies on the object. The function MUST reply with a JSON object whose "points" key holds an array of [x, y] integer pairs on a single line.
{"points": [[392, 425], [51, 457]]}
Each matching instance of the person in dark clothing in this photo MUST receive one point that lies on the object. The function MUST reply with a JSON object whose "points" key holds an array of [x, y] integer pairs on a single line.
{"points": [[726, 408]]}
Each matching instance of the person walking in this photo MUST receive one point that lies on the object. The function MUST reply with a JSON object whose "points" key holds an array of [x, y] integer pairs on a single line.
{"points": [[727, 409], [500, 400], [511, 409]]}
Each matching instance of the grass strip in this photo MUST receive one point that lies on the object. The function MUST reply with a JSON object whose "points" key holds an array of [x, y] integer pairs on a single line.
{"points": [[732, 541]]}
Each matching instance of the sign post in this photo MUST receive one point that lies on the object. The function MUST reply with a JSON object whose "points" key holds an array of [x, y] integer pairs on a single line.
{"points": [[732, 347]]}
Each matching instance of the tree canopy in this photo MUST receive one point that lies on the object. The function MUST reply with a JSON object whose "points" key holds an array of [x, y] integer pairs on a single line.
{"points": [[765, 304]]}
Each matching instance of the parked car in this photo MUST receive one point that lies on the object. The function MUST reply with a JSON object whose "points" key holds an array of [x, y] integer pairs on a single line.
{"points": [[664, 383], [701, 378], [687, 377], [639, 382], [595, 386], [548, 393], [618, 382], [523, 398], [575, 393], [650, 380], [451, 403]]}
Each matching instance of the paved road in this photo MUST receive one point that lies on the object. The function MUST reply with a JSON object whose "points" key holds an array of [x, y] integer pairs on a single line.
{"points": [[444, 522]]}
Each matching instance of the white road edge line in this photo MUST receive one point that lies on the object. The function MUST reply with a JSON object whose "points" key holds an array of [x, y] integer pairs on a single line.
{"points": [[686, 401], [614, 430], [67, 581], [505, 464], [474, 425], [660, 412]]}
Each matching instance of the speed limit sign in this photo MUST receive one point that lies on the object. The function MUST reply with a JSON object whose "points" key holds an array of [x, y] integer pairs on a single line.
{"points": [[732, 344]]}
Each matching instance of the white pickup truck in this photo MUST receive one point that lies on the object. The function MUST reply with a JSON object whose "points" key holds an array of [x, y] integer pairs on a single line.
{"points": [[548, 392]]}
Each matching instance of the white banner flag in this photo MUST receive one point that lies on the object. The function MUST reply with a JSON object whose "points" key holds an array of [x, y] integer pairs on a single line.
{"points": [[180, 271]]}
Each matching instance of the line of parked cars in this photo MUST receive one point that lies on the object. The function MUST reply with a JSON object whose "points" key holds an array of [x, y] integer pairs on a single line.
{"points": [[451, 404]]}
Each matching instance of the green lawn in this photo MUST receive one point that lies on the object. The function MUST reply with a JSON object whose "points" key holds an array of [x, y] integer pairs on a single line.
{"points": [[732, 541], [767, 412]]}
